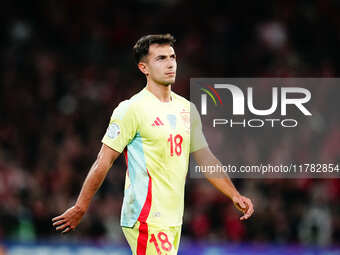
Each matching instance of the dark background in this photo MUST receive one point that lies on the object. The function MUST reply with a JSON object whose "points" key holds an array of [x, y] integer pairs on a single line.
{"points": [[65, 65]]}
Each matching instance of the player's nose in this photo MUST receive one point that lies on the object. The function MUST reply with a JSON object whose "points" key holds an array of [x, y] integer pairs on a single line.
{"points": [[170, 65]]}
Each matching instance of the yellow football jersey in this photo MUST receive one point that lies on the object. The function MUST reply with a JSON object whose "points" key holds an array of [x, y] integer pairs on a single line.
{"points": [[155, 138]]}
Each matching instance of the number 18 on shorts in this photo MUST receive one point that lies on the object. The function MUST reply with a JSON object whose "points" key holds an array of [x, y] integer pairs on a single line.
{"points": [[145, 239]]}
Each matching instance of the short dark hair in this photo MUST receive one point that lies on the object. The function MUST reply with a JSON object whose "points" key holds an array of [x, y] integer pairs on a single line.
{"points": [[141, 48]]}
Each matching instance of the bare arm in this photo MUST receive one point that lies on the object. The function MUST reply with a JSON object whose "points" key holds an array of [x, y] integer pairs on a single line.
{"points": [[204, 157], [96, 176], [71, 217]]}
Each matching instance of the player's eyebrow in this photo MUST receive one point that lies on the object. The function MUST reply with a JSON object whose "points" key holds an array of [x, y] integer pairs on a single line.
{"points": [[160, 57], [164, 56]]}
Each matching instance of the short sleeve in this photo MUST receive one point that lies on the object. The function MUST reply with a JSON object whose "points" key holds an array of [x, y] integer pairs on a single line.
{"points": [[122, 127], [197, 139]]}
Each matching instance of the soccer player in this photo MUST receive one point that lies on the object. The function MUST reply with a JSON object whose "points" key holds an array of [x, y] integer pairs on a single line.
{"points": [[154, 131]]}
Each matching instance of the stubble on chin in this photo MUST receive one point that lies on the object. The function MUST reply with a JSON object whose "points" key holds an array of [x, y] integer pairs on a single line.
{"points": [[168, 83]]}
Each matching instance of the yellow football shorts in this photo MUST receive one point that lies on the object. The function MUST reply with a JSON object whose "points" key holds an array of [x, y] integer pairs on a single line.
{"points": [[145, 239]]}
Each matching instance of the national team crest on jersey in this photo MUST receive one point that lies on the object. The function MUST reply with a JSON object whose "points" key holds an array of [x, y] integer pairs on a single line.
{"points": [[113, 130], [185, 116]]}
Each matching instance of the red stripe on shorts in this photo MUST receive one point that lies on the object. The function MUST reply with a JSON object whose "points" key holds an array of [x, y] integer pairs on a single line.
{"points": [[142, 241]]}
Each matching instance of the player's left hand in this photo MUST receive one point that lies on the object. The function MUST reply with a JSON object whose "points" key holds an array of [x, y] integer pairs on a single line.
{"points": [[244, 205], [69, 220]]}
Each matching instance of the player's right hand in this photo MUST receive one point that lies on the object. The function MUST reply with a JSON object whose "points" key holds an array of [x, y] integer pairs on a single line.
{"points": [[69, 220]]}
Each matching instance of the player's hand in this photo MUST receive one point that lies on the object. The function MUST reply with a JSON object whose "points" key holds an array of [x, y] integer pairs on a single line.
{"points": [[244, 205], [69, 220]]}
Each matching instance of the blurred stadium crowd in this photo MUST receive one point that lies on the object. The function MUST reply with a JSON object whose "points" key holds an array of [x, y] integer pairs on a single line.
{"points": [[65, 65]]}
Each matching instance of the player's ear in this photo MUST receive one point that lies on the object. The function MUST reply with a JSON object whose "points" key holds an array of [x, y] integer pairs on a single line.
{"points": [[143, 68]]}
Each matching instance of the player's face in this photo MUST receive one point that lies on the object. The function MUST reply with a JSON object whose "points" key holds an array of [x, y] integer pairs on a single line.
{"points": [[161, 64]]}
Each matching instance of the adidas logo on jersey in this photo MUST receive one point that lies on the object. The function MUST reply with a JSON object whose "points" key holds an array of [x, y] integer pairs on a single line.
{"points": [[157, 122]]}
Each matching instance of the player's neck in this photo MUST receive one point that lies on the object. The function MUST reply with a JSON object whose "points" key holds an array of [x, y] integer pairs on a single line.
{"points": [[163, 93]]}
